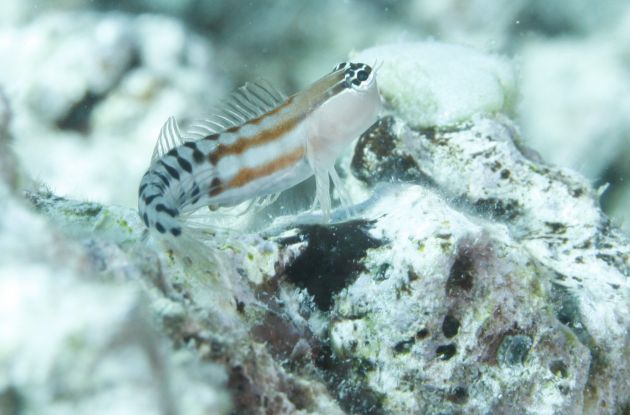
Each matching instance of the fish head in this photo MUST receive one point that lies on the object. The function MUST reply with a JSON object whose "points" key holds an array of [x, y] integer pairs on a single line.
{"points": [[351, 106]]}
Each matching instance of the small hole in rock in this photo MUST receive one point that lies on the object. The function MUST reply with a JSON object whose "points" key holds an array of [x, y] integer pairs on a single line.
{"points": [[403, 346], [422, 334], [450, 326], [461, 275], [459, 395], [559, 368], [446, 351]]}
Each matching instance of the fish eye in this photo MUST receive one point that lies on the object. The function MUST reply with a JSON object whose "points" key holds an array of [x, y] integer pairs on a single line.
{"points": [[358, 75]]}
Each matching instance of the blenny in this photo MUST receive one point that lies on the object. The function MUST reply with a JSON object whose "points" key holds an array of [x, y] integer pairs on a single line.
{"points": [[259, 144]]}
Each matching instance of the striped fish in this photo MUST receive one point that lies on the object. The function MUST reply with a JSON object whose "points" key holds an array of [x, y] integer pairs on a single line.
{"points": [[260, 144]]}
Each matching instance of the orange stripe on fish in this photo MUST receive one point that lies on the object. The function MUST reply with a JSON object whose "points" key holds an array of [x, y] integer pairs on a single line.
{"points": [[260, 143]]}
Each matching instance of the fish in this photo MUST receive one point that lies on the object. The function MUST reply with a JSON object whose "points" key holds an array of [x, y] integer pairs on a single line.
{"points": [[257, 145]]}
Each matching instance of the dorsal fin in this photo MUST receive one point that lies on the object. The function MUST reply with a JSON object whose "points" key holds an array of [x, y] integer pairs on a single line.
{"points": [[246, 103], [169, 138]]}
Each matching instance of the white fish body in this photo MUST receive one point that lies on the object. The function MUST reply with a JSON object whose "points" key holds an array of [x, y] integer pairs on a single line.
{"points": [[261, 144]]}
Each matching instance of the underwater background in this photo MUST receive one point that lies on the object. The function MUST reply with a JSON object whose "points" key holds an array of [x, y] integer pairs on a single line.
{"points": [[484, 268], [570, 57]]}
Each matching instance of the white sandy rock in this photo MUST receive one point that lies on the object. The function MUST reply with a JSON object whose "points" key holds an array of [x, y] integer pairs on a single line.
{"points": [[74, 342], [438, 323], [436, 84], [76, 334], [91, 132], [550, 216], [95, 52]]}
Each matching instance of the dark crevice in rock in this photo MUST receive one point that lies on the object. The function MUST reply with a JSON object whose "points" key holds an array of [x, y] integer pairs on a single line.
{"points": [[567, 311], [378, 157], [332, 258], [514, 350], [461, 276], [450, 326], [243, 391], [404, 346], [458, 395], [422, 334], [251, 382], [492, 340], [250, 397], [279, 333], [508, 211], [446, 351], [381, 272], [304, 354], [614, 176], [437, 133], [498, 209], [609, 252], [556, 227], [346, 380], [78, 116], [559, 368]]}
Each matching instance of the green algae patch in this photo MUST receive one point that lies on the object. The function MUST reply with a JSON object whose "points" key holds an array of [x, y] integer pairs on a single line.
{"points": [[81, 219]]}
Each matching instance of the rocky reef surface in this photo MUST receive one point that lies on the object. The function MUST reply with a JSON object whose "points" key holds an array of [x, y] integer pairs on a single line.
{"points": [[471, 276], [95, 88]]}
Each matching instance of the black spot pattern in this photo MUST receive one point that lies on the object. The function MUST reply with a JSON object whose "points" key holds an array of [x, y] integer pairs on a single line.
{"points": [[195, 194], [162, 178], [176, 231], [162, 208], [149, 199], [358, 74], [159, 227], [184, 164], [171, 170], [197, 155]]}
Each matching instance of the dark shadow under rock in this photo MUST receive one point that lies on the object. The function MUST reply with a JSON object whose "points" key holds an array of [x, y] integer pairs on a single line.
{"points": [[332, 258]]}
